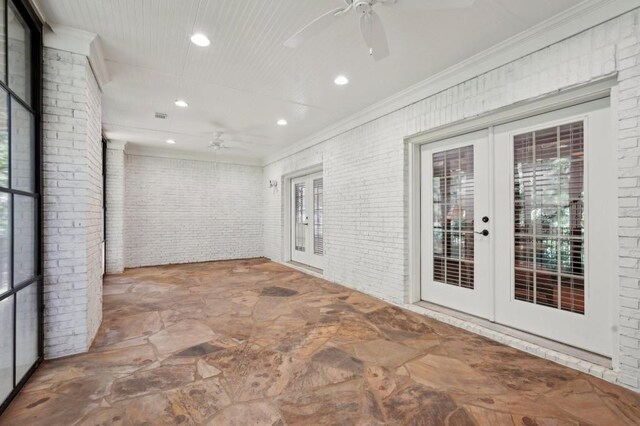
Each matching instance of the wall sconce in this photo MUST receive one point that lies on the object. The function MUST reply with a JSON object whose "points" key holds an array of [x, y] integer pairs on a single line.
{"points": [[273, 184]]}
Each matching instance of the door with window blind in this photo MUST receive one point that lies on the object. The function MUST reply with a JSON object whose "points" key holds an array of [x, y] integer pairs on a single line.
{"points": [[556, 207], [307, 231], [455, 199], [523, 232]]}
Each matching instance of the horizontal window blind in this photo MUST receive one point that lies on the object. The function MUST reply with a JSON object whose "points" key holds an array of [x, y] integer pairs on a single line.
{"points": [[549, 217]]}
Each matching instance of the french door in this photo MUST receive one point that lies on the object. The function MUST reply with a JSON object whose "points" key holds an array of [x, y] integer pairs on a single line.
{"points": [[307, 242], [455, 194], [560, 188], [546, 264]]}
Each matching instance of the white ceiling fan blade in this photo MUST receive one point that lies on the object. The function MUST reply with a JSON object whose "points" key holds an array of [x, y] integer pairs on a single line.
{"points": [[313, 28], [374, 35], [429, 4]]}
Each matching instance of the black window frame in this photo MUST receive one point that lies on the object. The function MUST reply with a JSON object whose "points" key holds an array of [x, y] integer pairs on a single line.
{"points": [[35, 26]]}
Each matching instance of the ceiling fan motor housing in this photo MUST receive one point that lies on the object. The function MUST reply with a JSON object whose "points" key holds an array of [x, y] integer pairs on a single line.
{"points": [[363, 7]]}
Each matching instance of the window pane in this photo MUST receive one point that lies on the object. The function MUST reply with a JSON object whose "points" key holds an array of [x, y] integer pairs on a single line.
{"points": [[5, 240], [19, 55], [3, 59], [453, 200], [300, 217], [6, 347], [22, 148], [26, 330], [318, 236], [4, 138], [24, 238], [549, 217]]}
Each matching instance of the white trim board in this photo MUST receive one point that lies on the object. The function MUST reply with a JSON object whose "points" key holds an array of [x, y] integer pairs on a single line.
{"points": [[574, 20]]}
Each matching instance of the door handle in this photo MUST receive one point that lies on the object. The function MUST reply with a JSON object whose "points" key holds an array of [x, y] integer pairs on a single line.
{"points": [[484, 232]]}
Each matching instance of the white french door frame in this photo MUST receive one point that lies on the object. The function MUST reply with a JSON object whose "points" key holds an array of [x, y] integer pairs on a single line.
{"points": [[599, 89], [287, 206], [478, 300]]}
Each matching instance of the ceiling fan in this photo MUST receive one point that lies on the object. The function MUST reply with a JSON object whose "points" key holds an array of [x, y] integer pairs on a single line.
{"points": [[217, 143], [370, 25]]}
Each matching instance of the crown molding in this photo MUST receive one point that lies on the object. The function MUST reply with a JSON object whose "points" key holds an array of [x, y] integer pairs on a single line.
{"points": [[98, 62], [150, 151], [38, 9], [68, 39], [118, 145], [572, 21], [81, 42]]}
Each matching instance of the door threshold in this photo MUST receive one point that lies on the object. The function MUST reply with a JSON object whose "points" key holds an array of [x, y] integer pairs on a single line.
{"points": [[524, 336], [305, 268]]}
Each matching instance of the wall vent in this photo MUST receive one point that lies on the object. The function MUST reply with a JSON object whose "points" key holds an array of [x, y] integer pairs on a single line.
{"points": [[161, 115]]}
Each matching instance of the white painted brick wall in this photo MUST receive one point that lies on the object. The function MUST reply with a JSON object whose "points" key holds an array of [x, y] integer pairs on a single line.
{"points": [[95, 219], [71, 200], [365, 208], [115, 207], [628, 65], [181, 211]]}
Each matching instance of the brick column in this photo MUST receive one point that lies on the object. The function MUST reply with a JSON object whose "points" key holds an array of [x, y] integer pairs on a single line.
{"points": [[72, 203], [115, 207]]}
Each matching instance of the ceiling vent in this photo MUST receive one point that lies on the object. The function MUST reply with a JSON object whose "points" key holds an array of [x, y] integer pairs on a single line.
{"points": [[161, 115]]}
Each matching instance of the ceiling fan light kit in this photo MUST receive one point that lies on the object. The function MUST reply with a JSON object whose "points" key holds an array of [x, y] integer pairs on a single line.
{"points": [[371, 27]]}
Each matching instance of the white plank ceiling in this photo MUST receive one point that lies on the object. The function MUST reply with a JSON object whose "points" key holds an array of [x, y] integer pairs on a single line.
{"points": [[246, 79]]}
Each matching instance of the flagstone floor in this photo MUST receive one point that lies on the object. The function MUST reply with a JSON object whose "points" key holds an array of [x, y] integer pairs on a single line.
{"points": [[255, 343]]}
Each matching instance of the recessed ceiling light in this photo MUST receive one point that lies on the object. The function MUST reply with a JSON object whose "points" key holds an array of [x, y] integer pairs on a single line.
{"points": [[181, 103], [282, 122], [200, 40], [341, 80], [171, 141]]}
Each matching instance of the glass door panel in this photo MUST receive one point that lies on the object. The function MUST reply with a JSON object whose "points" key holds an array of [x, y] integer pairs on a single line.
{"points": [[549, 205], [453, 216], [301, 220], [454, 200], [544, 193], [307, 223], [318, 232]]}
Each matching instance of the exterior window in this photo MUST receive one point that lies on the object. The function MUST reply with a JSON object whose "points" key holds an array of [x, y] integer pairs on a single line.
{"points": [[20, 270]]}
